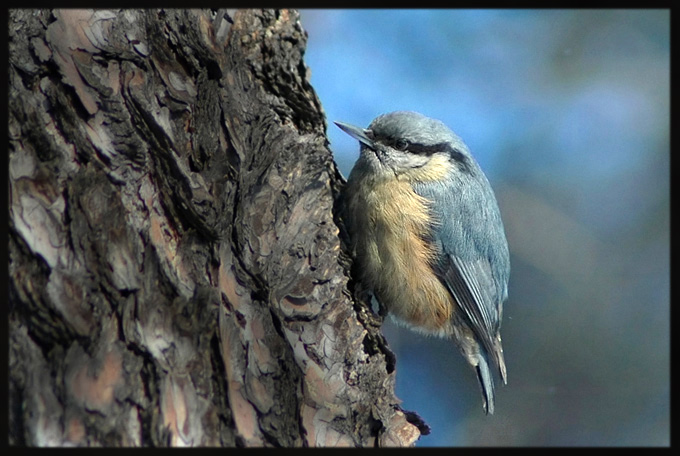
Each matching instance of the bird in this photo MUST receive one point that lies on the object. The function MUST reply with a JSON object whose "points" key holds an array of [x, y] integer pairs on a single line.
{"points": [[427, 238]]}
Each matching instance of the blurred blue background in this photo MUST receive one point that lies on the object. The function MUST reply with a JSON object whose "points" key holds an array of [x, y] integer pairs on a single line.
{"points": [[567, 111]]}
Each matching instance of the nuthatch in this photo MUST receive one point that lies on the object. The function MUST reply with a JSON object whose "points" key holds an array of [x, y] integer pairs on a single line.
{"points": [[427, 236]]}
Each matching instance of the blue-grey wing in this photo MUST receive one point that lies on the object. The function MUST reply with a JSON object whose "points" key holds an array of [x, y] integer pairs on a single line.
{"points": [[473, 260], [471, 284]]}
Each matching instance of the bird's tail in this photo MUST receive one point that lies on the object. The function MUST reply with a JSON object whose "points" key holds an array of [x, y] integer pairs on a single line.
{"points": [[486, 381]]}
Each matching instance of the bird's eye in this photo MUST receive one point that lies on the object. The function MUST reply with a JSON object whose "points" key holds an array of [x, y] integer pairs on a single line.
{"points": [[401, 144]]}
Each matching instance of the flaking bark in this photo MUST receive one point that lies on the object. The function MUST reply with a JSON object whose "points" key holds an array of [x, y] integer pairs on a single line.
{"points": [[176, 275]]}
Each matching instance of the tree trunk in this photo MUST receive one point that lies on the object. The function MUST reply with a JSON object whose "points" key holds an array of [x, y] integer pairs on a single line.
{"points": [[176, 275]]}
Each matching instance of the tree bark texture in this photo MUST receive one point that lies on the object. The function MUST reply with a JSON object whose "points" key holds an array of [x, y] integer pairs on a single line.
{"points": [[176, 275]]}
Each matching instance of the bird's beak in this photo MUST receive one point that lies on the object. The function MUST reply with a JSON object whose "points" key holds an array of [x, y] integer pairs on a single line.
{"points": [[357, 133]]}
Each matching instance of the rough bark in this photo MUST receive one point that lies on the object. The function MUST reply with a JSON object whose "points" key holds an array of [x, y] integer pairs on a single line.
{"points": [[176, 275]]}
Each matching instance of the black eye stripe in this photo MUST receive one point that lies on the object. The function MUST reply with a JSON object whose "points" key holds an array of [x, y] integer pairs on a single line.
{"points": [[422, 149], [427, 150], [458, 156]]}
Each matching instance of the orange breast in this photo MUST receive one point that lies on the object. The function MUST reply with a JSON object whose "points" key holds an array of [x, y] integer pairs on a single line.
{"points": [[396, 261]]}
